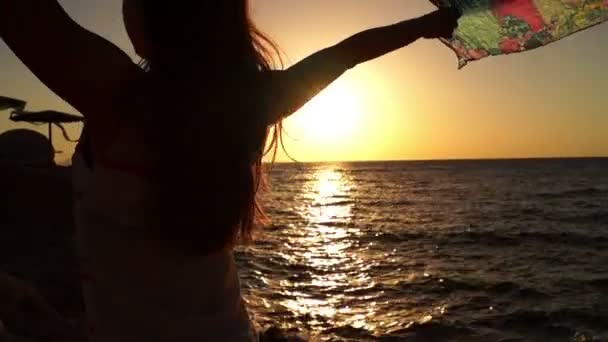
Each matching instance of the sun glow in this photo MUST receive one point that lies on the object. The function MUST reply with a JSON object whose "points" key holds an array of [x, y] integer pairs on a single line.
{"points": [[330, 117]]}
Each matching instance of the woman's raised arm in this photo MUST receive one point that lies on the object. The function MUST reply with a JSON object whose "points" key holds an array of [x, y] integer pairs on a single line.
{"points": [[79, 66], [291, 89]]}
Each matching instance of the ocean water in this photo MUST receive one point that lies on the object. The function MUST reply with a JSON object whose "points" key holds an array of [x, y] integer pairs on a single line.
{"points": [[509, 250]]}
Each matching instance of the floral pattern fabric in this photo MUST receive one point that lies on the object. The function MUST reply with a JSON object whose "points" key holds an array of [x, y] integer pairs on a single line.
{"points": [[497, 27]]}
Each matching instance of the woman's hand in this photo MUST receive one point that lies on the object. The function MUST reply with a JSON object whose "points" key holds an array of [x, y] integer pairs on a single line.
{"points": [[440, 24]]}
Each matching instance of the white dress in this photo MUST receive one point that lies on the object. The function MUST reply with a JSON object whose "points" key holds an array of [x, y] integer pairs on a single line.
{"points": [[135, 287]]}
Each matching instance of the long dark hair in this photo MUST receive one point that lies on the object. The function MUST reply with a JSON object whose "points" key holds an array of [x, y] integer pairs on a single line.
{"points": [[206, 68]]}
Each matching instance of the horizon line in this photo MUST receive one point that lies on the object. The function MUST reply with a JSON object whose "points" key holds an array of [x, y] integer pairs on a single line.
{"points": [[67, 161], [440, 159]]}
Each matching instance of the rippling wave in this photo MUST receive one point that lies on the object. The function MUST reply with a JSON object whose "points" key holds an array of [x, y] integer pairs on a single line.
{"points": [[434, 251]]}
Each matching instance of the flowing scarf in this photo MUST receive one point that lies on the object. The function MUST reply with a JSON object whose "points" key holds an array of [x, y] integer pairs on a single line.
{"points": [[498, 27]]}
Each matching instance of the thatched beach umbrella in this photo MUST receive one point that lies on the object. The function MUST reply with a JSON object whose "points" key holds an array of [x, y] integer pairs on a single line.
{"points": [[45, 116], [9, 103], [49, 117]]}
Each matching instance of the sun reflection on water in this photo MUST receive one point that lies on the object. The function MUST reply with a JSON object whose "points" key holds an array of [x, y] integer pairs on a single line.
{"points": [[327, 243], [322, 267]]}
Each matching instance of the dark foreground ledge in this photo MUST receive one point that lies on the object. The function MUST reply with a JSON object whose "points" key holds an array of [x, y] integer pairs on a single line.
{"points": [[36, 247]]}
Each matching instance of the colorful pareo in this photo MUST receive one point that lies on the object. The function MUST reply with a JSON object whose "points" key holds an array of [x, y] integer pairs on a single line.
{"points": [[497, 27]]}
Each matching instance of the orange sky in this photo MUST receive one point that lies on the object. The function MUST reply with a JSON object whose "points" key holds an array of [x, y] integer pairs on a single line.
{"points": [[411, 104]]}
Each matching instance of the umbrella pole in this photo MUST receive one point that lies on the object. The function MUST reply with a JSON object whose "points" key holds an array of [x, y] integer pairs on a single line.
{"points": [[51, 148]]}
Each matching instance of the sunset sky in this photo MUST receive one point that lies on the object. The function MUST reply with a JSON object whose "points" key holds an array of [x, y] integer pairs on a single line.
{"points": [[411, 104]]}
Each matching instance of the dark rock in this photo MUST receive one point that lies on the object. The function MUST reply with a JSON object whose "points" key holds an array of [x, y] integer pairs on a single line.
{"points": [[39, 289]]}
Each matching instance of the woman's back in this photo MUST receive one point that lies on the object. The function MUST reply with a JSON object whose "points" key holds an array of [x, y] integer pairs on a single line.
{"points": [[137, 286]]}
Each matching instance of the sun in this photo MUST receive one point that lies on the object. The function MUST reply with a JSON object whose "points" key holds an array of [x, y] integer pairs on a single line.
{"points": [[330, 117]]}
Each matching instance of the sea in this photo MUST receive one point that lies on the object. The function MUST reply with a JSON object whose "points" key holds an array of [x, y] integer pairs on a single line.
{"points": [[490, 250]]}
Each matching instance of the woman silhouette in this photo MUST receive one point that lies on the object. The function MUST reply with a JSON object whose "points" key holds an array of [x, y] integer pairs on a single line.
{"points": [[169, 164]]}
